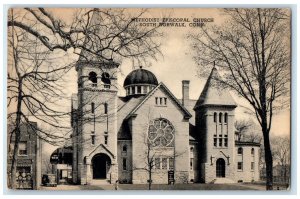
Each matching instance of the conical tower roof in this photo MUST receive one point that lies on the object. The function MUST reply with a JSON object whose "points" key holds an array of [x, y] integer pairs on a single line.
{"points": [[214, 94]]}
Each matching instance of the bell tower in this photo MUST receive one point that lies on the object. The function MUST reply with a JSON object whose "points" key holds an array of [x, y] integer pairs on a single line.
{"points": [[97, 120], [214, 113]]}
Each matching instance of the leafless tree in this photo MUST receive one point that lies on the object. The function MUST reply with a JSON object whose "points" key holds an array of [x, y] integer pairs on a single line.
{"points": [[251, 49], [281, 153], [242, 127], [38, 39]]}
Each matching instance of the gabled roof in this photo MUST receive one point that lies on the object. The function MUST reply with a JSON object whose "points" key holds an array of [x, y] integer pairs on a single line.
{"points": [[168, 92], [214, 94]]}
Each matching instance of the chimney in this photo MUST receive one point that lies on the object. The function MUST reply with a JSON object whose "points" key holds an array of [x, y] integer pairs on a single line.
{"points": [[185, 92]]}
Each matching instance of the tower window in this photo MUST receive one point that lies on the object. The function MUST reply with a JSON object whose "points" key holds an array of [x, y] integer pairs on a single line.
{"points": [[93, 78], [225, 142], [139, 90], [215, 142], [105, 139], [215, 117], [220, 117], [145, 89], [252, 151], [191, 163], [252, 165], [105, 108], [156, 100], [105, 79], [93, 107], [160, 101], [93, 137], [220, 142], [165, 100], [240, 150], [124, 164], [124, 149], [225, 118]]}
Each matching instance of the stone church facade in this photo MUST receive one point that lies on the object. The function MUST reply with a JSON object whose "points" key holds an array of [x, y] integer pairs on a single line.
{"points": [[124, 137]]}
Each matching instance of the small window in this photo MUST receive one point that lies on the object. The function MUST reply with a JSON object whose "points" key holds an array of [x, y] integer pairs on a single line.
{"points": [[252, 151], [145, 89], [160, 100], [225, 142], [240, 166], [171, 163], [220, 142], [124, 164], [105, 108], [93, 139], [93, 78], [139, 90], [165, 100], [215, 142], [164, 163], [252, 165], [225, 118], [220, 117], [124, 149], [191, 164], [105, 78], [156, 100], [240, 150], [22, 148], [215, 117], [157, 163], [105, 139], [130, 90], [93, 107]]}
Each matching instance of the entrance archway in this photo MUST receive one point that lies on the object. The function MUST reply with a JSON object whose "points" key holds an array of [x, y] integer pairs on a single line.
{"points": [[101, 165], [220, 168]]}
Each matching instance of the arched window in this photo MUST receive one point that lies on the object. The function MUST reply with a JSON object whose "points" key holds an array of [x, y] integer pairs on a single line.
{"points": [[215, 117], [105, 78], [93, 107], [124, 149], [105, 108], [225, 118], [220, 117], [252, 151], [240, 150], [93, 78]]}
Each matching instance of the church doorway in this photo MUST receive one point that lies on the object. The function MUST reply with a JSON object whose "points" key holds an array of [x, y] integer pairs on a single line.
{"points": [[101, 165], [220, 168]]}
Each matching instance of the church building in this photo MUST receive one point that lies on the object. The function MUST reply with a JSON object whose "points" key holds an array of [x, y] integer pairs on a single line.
{"points": [[150, 132]]}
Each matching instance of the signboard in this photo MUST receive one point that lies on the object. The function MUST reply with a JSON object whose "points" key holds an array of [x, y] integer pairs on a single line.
{"points": [[171, 177]]}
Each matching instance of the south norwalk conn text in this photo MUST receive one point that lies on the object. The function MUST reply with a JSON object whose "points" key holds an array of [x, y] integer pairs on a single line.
{"points": [[172, 22]]}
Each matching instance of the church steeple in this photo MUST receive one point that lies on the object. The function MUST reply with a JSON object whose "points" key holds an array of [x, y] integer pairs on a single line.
{"points": [[214, 93]]}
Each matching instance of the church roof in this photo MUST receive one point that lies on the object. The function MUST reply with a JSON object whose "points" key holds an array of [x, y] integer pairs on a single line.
{"points": [[214, 94], [168, 92], [140, 76]]}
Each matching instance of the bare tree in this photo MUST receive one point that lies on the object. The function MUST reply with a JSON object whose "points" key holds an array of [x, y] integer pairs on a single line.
{"points": [[251, 49], [281, 154], [38, 44], [242, 127]]}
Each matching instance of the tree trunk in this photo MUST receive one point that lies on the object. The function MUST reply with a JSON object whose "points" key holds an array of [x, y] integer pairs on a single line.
{"points": [[268, 159], [16, 141], [150, 179]]}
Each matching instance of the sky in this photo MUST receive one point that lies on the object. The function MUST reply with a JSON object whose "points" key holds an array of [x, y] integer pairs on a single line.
{"points": [[177, 63]]}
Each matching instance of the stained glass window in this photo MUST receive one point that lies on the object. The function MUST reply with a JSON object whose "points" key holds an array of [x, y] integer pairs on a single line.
{"points": [[161, 133]]}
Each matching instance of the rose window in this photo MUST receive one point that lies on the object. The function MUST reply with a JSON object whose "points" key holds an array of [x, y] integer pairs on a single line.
{"points": [[161, 133]]}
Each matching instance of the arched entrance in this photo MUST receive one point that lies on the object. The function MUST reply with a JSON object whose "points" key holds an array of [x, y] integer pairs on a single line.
{"points": [[220, 168], [101, 165]]}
